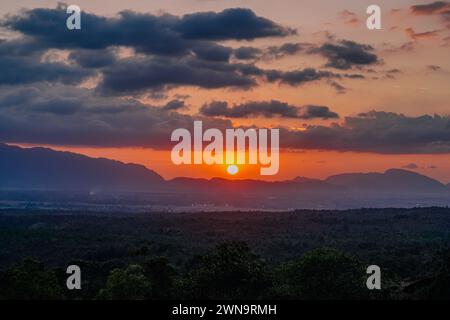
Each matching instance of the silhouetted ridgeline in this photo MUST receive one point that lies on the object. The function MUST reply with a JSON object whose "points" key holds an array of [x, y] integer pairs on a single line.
{"points": [[45, 169], [38, 174]]}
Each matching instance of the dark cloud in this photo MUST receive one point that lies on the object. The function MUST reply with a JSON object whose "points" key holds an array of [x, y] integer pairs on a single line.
{"points": [[299, 77], [212, 52], [272, 52], [284, 50], [237, 23], [93, 58], [64, 115], [171, 51], [322, 112], [377, 132], [346, 54], [437, 7], [19, 47], [440, 9], [174, 105], [247, 53], [164, 34], [135, 75], [21, 70], [155, 34], [267, 109]]}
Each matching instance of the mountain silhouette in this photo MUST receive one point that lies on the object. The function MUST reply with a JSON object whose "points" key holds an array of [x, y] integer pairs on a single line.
{"points": [[31, 169], [42, 168], [392, 179]]}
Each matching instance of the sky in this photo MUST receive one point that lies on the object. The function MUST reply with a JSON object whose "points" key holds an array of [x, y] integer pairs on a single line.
{"points": [[346, 99]]}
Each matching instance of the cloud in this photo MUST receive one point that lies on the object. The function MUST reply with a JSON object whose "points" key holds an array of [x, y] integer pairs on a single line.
{"points": [[376, 132], [247, 53], [64, 115], [421, 35], [213, 52], [155, 32], [267, 109], [286, 49], [346, 54], [20, 47], [437, 7], [392, 73], [409, 46], [158, 34], [349, 17], [340, 89], [174, 105], [21, 70], [434, 68], [237, 23], [271, 52], [93, 58], [136, 75], [168, 51], [302, 76]]}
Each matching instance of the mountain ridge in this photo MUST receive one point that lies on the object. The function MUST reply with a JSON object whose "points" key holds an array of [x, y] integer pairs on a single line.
{"points": [[47, 169], [44, 168]]}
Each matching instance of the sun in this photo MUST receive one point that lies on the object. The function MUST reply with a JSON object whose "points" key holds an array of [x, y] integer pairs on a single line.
{"points": [[232, 169]]}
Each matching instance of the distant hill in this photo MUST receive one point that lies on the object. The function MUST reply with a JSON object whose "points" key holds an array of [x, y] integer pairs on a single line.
{"points": [[42, 168], [392, 179]]}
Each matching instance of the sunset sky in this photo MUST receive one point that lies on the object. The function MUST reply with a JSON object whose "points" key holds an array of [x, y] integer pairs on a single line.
{"points": [[346, 99]]}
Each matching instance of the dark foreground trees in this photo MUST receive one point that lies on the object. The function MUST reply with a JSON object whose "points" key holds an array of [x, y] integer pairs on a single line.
{"points": [[323, 274], [229, 271], [126, 284], [30, 280]]}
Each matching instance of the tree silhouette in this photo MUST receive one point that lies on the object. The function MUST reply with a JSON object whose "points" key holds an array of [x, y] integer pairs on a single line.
{"points": [[323, 274], [30, 281], [229, 271], [162, 277], [126, 284]]}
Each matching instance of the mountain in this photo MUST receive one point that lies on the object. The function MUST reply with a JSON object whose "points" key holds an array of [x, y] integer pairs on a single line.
{"points": [[392, 179], [42, 168], [40, 174]]}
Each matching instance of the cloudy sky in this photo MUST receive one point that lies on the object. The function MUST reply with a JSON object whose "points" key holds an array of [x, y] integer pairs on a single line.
{"points": [[346, 98]]}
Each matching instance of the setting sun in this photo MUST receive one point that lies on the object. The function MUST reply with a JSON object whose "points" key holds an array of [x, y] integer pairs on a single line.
{"points": [[232, 169]]}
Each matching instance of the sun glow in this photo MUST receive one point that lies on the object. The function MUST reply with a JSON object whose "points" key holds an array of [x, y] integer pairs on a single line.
{"points": [[232, 169]]}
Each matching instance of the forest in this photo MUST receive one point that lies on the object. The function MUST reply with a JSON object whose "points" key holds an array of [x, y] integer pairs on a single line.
{"points": [[302, 254]]}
